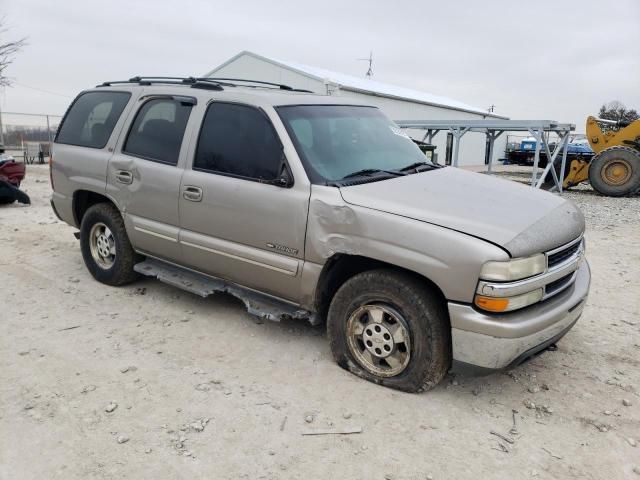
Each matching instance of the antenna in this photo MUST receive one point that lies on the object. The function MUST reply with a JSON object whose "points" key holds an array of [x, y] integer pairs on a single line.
{"points": [[369, 73]]}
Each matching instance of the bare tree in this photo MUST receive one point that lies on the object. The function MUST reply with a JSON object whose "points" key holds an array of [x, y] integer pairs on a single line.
{"points": [[8, 51]]}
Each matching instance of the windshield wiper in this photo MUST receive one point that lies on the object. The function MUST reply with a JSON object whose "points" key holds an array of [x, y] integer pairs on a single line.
{"points": [[371, 171], [419, 167]]}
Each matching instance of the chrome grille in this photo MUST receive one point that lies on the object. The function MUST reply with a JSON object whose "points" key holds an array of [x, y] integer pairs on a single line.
{"points": [[558, 260], [558, 257]]}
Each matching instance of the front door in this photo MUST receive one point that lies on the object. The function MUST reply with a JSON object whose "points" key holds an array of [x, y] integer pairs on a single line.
{"points": [[237, 223], [144, 174]]}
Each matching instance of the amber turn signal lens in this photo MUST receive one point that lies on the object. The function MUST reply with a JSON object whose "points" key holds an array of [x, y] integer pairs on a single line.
{"points": [[492, 304], [502, 304]]}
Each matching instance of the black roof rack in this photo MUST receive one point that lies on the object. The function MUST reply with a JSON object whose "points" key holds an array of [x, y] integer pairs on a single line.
{"points": [[259, 83], [202, 82], [192, 81]]}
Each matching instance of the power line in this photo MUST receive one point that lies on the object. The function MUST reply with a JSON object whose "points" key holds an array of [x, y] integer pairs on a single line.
{"points": [[42, 90]]}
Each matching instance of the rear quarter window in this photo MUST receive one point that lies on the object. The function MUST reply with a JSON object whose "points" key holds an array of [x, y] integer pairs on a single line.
{"points": [[91, 119]]}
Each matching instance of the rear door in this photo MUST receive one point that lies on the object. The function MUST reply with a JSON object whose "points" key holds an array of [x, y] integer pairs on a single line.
{"points": [[84, 143], [238, 222], [145, 170]]}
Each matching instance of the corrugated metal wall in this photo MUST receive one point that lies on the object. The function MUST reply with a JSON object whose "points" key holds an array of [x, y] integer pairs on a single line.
{"points": [[255, 69]]}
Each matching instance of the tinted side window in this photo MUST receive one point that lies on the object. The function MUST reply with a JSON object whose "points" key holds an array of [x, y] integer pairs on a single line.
{"points": [[238, 140], [157, 131], [90, 120]]}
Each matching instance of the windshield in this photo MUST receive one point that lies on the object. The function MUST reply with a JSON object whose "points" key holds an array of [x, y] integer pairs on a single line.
{"points": [[334, 141]]}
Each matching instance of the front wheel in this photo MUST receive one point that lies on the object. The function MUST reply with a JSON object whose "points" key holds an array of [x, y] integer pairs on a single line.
{"points": [[392, 329], [105, 246]]}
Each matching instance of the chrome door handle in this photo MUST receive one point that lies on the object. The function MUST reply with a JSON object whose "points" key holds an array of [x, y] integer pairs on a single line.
{"points": [[191, 193], [124, 176]]}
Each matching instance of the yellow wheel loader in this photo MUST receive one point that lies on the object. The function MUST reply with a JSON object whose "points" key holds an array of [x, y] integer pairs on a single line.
{"points": [[614, 170]]}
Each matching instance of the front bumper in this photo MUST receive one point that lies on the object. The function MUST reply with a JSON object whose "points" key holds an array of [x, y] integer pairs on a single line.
{"points": [[498, 341]]}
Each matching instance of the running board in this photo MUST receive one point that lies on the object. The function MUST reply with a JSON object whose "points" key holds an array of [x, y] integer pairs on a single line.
{"points": [[258, 304]]}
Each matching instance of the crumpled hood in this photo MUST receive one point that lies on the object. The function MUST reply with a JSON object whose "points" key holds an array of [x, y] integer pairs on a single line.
{"points": [[521, 219]]}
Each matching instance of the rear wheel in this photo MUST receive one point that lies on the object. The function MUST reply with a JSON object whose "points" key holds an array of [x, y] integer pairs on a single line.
{"points": [[390, 328], [106, 249], [615, 172]]}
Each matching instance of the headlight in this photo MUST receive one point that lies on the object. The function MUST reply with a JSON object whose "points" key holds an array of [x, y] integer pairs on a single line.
{"points": [[506, 304], [516, 269]]}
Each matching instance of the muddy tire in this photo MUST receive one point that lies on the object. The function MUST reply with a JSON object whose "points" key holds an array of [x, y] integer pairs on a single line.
{"points": [[615, 172], [392, 329], [105, 246]]}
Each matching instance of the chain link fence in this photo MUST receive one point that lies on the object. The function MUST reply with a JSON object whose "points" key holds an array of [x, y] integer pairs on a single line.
{"points": [[27, 136]]}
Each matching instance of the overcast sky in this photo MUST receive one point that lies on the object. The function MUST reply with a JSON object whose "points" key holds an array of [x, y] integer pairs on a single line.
{"points": [[545, 59]]}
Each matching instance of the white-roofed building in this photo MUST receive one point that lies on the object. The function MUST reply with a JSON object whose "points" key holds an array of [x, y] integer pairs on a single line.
{"points": [[398, 103]]}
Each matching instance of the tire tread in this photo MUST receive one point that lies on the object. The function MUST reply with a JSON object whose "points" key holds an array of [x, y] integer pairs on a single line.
{"points": [[122, 271]]}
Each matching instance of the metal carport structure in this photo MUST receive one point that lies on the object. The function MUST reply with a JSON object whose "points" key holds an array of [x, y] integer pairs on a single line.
{"points": [[493, 129]]}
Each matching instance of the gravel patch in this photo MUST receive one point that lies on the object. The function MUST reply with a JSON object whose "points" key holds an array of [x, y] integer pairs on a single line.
{"points": [[91, 375], [600, 212]]}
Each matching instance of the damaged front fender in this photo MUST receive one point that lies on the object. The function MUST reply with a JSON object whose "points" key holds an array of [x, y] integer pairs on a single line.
{"points": [[448, 258]]}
